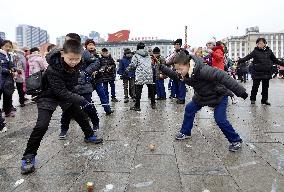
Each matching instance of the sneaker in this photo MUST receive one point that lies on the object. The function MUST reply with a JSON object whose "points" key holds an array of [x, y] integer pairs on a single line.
{"points": [[126, 100], [93, 139], [158, 98], [114, 99], [180, 101], [265, 103], [22, 105], [235, 146], [63, 135], [3, 130], [135, 108], [163, 98], [28, 164], [252, 102], [13, 108], [110, 112], [181, 136]]}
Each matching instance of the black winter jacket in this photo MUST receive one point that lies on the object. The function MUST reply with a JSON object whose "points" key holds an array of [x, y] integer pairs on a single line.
{"points": [[58, 84], [107, 71], [210, 84], [263, 60]]}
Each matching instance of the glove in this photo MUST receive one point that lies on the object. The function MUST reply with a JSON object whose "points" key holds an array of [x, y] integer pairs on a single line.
{"points": [[244, 96]]}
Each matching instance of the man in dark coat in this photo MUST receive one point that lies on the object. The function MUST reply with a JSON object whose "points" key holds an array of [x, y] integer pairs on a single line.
{"points": [[261, 69], [211, 88]]}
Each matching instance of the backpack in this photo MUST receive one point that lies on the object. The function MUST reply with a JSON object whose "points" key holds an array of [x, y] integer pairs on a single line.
{"points": [[34, 83]]}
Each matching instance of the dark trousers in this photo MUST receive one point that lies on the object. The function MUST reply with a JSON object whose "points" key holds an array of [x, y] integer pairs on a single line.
{"points": [[102, 95], [243, 77], [93, 115], [112, 89], [220, 117], [7, 102], [160, 88], [129, 87], [138, 92], [42, 124], [2, 121], [20, 88], [264, 93]]}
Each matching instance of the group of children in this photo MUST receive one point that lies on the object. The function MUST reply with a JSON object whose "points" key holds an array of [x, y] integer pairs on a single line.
{"points": [[72, 73]]}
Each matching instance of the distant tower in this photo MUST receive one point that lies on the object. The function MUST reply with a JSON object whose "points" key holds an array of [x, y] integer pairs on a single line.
{"points": [[185, 36]]}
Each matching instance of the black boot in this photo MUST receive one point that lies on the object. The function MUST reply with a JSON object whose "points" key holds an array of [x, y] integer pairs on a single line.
{"points": [[265, 103], [180, 101], [126, 100]]}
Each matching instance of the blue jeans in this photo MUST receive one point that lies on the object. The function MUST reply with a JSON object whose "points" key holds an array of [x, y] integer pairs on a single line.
{"points": [[174, 88], [112, 89], [160, 88], [92, 114], [178, 90], [220, 117], [103, 97]]}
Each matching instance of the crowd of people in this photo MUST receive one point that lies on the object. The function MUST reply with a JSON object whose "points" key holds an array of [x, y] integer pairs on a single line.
{"points": [[71, 73]]}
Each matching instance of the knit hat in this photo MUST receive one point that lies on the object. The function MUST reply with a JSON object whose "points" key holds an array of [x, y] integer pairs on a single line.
{"points": [[212, 41], [127, 51], [89, 41], [140, 45], [178, 41], [156, 50]]}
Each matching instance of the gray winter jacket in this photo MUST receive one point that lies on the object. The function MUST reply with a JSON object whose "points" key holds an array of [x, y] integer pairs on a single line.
{"points": [[142, 65], [210, 84]]}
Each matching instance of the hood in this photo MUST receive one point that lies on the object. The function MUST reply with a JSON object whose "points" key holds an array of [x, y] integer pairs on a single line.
{"points": [[142, 52], [218, 47], [34, 57]]}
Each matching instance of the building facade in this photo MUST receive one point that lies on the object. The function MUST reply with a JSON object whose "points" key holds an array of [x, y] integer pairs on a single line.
{"points": [[30, 36], [240, 46], [2, 35], [116, 49]]}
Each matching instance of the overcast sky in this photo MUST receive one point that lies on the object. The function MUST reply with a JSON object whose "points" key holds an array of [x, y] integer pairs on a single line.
{"points": [[148, 18]]}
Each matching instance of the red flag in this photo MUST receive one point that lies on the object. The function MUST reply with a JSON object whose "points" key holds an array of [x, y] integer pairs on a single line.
{"points": [[122, 35]]}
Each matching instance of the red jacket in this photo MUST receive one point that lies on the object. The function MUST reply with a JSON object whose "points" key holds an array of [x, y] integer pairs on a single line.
{"points": [[218, 57]]}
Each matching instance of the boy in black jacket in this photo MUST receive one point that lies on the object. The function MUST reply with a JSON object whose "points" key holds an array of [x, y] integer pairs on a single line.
{"points": [[59, 82], [211, 88]]}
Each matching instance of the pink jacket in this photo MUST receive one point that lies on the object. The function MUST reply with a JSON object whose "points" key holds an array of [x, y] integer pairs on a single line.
{"points": [[36, 63], [281, 68]]}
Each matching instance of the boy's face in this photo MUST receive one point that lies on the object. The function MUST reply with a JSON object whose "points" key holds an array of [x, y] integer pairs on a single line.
{"points": [[177, 46], [182, 69], [72, 59], [7, 47], [91, 47], [105, 54]]}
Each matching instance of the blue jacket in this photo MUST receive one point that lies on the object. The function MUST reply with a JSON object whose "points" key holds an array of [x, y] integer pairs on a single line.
{"points": [[123, 64], [90, 65], [7, 80]]}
